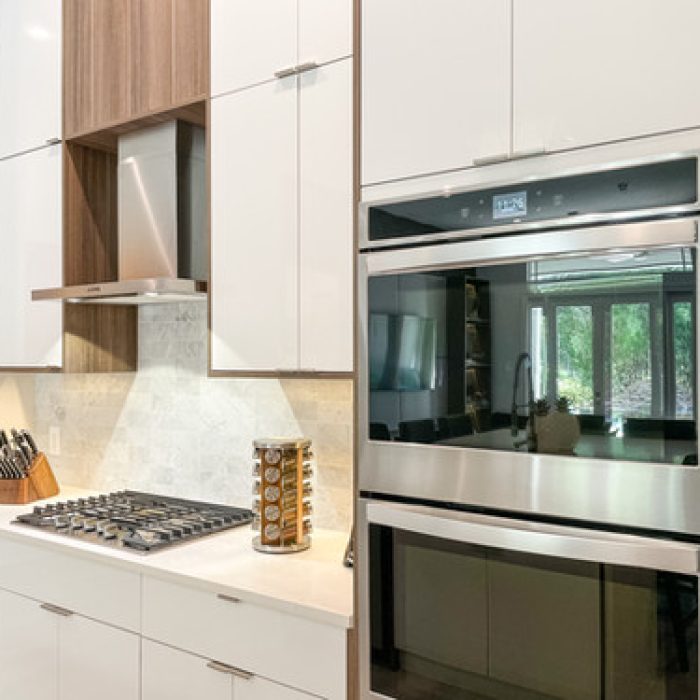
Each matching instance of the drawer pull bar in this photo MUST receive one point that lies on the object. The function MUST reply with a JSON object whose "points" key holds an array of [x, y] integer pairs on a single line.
{"points": [[231, 670], [305, 67], [228, 598], [56, 610], [286, 72]]}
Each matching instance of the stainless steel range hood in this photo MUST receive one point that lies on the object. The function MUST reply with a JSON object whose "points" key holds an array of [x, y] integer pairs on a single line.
{"points": [[161, 221]]}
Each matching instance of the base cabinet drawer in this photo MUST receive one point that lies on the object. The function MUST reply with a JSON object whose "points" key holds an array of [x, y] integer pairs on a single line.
{"points": [[103, 592], [171, 674], [284, 648], [50, 653]]}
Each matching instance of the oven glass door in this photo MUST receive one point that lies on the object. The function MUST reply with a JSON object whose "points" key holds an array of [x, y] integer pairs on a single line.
{"points": [[591, 355], [454, 621]]}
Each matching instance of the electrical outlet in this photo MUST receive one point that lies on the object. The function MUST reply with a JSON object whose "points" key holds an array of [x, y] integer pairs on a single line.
{"points": [[55, 441]]}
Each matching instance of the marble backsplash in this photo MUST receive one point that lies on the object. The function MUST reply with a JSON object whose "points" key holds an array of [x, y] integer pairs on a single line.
{"points": [[170, 429]]}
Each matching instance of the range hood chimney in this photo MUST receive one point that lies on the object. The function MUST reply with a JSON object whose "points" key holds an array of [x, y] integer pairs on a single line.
{"points": [[161, 216]]}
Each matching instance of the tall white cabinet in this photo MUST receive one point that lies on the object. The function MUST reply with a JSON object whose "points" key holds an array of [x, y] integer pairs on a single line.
{"points": [[31, 245], [30, 181], [282, 187], [30, 74]]}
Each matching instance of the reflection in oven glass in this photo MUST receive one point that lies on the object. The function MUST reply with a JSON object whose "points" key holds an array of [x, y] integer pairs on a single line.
{"points": [[590, 356], [451, 621]]}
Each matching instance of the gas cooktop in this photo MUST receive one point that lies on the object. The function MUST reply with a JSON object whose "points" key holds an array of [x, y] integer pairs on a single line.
{"points": [[132, 520]]}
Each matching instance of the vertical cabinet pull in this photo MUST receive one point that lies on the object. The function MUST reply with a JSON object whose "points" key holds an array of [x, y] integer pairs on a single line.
{"points": [[56, 610], [230, 670]]}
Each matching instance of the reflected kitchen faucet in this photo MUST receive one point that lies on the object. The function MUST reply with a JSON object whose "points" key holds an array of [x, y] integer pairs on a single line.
{"points": [[531, 438]]}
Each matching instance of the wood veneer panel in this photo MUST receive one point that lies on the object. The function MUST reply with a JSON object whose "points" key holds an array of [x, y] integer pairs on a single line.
{"points": [[90, 216], [110, 36], [99, 338], [106, 139], [78, 103], [190, 50], [150, 55]]}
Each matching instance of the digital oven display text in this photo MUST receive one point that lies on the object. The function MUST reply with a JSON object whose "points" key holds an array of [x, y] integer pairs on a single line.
{"points": [[509, 206]]}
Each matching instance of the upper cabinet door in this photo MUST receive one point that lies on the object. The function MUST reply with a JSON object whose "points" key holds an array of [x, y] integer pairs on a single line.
{"points": [[326, 218], [254, 295], [30, 74], [436, 82], [251, 40], [598, 71], [30, 241], [325, 30]]}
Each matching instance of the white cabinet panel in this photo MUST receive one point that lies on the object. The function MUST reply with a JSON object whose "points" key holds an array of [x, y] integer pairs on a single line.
{"points": [[435, 85], [31, 244], [611, 70], [170, 674], [326, 218], [91, 588], [254, 228], [250, 41], [28, 638], [30, 74], [325, 30], [92, 655], [257, 688], [297, 652]]}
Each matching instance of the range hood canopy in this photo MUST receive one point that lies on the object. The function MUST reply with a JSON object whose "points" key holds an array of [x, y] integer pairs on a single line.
{"points": [[161, 214]]}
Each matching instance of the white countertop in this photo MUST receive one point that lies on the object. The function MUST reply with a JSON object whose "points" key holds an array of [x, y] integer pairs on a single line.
{"points": [[312, 584]]}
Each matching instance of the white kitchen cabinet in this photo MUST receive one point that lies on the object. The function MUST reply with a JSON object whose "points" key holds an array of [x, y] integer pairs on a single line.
{"points": [[282, 213], [31, 244], [326, 218], [30, 74], [252, 40], [254, 276], [51, 654], [92, 655], [610, 71], [436, 83], [171, 674], [29, 639]]}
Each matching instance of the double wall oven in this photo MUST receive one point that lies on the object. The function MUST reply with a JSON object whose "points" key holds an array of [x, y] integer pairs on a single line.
{"points": [[529, 521]]}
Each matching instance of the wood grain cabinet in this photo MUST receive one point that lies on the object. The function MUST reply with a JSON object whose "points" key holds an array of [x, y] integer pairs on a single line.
{"points": [[611, 71], [75, 655], [31, 244], [281, 179], [30, 74], [126, 59], [253, 40]]}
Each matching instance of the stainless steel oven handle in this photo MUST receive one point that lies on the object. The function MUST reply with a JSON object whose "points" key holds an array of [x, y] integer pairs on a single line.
{"points": [[537, 538]]}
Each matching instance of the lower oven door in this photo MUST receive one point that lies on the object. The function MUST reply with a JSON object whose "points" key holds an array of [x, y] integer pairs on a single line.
{"points": [[457, 606]]}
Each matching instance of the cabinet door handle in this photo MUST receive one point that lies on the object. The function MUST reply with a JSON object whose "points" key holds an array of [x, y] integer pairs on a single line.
{"points": [[228, 598], [56, 610], [532, 153], [286, 72], [305, 67], [53, 141], [492, 160], [231, 670]]}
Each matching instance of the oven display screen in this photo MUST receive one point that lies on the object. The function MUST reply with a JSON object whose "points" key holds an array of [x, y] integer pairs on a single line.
{"points": [[509, 206]]}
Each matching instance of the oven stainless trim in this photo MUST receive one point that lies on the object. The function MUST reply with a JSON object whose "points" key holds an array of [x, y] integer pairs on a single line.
{"points": [[536, 538], [646, 495], [489, 182], [561, 542]]}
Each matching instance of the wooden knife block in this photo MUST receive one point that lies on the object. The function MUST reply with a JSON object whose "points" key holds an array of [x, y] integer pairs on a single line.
{"points": [[39, 483]]}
